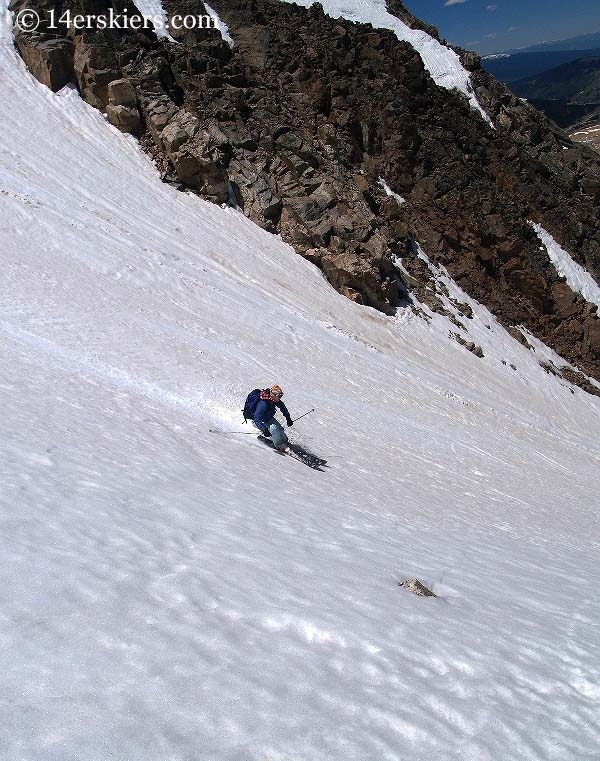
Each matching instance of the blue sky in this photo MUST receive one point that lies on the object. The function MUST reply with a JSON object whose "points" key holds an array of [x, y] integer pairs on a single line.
{"points": [[489, 26]]}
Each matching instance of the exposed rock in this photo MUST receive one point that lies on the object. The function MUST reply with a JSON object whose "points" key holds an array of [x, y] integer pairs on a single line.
{"points": [[591, 328], [303, 116], [95, 67], [158, 113], [572, 376], [50, 61], [122, 93], [125, 118], [463, 308], [579, 379], [518, 335], [397, 9], [469, 345], [471, 61], [416, 587], [565, 299], [197, 164], [550, 369]]}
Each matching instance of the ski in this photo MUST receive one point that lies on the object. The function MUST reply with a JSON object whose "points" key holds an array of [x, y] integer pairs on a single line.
{"points": [[312, 463], [229, 433], [293, 450], [310, 460], [303, 452]]}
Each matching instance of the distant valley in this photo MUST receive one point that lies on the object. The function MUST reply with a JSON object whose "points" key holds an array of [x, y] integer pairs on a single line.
{"points": [[568, 93]]}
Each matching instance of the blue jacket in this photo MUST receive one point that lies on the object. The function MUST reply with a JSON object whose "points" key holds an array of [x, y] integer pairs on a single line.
{"points": [[265, 410]]}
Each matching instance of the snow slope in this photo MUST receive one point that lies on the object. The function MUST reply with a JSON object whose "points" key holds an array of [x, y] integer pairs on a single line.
{"points": [[440, 61], [172, 594], [220, 25], [153, 10], [577, 277]]}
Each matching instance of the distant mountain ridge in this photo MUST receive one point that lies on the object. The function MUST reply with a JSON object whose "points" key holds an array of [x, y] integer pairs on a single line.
{"points": [[580, 42], [577, 82], [512, 67], [567, 93]]}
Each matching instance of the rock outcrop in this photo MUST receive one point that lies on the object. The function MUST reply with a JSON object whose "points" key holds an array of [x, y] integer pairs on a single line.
{"points": [[300, 121], [122, 110]]}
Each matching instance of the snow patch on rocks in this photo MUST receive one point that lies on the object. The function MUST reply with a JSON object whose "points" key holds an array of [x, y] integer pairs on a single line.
{"points": [[441, 62], [578, 278]]}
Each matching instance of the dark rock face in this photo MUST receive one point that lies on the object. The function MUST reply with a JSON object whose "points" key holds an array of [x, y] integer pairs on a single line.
{"points": [[302, 117], [49, 60]]}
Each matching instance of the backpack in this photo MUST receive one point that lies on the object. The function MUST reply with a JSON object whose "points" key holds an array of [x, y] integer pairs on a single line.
{"points": [[251, 404]]}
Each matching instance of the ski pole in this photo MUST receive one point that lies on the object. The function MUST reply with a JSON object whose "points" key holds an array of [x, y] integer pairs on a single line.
{"points": [[305, 414], [249, 433], [244, 433]]}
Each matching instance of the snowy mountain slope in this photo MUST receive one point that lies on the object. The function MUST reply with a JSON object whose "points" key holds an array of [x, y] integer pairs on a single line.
{"points": [[481, 328], [168, 593], [578, 279]]}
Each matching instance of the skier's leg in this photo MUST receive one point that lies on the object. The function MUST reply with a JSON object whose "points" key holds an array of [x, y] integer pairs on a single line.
{"points": [[266, 434], [280, 440]]}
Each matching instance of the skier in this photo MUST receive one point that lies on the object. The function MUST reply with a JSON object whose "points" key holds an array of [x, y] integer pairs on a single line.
{"points": [[264, 417]]}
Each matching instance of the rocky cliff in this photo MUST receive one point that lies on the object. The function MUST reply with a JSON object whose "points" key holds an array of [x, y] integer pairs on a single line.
{"points": [[306, 119]]}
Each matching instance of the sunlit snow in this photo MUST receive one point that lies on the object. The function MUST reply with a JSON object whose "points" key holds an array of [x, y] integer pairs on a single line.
{"points": [[170, 593], [577, 277], [153, 10], [220, 25], [388, 191]]}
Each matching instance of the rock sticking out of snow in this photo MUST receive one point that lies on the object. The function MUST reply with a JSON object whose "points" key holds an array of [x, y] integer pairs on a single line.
{"points": [[416, 587]]}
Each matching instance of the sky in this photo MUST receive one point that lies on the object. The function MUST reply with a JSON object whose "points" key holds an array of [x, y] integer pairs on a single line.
{"points": [[490, 26]]}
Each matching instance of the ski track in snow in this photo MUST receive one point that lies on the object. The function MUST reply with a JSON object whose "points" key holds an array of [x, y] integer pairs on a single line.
{"points": [[440, 61], [171, 594]]}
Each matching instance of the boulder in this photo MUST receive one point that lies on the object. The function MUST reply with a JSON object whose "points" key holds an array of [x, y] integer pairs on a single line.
{"points": [[122, 93], [124, 118]]}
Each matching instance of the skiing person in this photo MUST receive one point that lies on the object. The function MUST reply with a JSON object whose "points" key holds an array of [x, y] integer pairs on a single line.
{"points": [[264, 417]]}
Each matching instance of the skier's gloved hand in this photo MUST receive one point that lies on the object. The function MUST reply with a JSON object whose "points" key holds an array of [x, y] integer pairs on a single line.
{"points": [[290, 422]]}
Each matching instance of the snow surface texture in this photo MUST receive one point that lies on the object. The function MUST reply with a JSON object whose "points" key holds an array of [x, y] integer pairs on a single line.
{"points": [[578, 278], [441, 62], [484, 330], [168, 593]]}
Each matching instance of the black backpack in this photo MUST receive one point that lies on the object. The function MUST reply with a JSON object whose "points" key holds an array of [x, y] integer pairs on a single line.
{"points": [[251, 404]]}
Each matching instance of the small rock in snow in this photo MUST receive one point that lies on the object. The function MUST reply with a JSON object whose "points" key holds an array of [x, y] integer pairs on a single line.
{"points": [[416, 587]]}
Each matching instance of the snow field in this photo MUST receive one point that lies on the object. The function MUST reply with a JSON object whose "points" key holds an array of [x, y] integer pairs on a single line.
{"points": [[168, 593]]}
